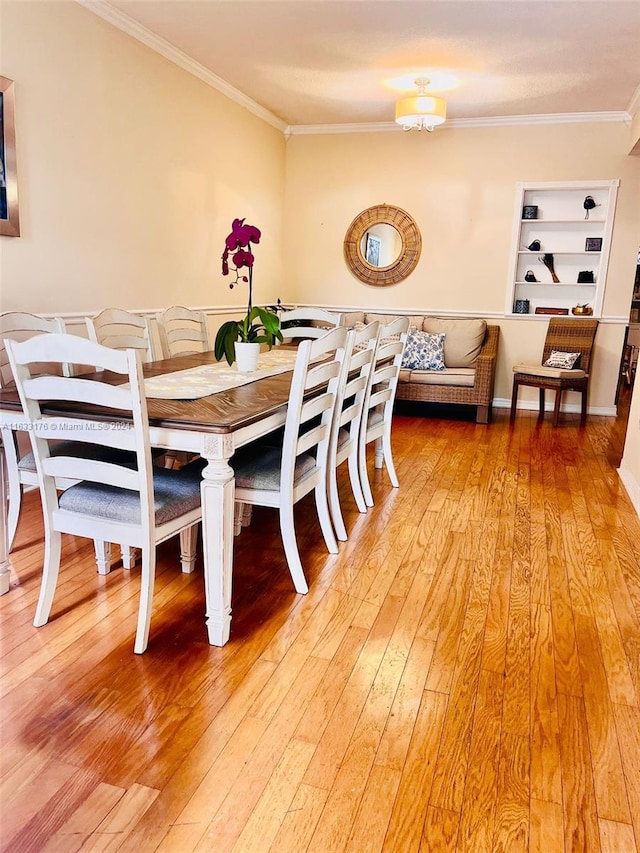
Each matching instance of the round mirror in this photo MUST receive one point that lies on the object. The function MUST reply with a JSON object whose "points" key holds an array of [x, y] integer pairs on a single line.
{"points": [[382, 245]]}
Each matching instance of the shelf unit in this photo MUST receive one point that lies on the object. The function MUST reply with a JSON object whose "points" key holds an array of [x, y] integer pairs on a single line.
{"points": [[563, 231]]}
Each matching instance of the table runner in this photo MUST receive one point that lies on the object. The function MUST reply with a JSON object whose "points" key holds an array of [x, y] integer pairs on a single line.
{"points": [[197, 382]]}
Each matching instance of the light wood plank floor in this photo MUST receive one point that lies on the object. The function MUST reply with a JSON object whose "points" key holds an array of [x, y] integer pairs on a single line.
{"points": [[464, 675]]}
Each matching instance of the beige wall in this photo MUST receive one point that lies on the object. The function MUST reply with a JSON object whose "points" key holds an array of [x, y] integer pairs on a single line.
{"points": [[130, 172], [459, 185]]}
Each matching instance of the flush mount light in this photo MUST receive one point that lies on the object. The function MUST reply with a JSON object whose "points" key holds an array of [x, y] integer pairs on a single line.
{"points": [[421, 111]]}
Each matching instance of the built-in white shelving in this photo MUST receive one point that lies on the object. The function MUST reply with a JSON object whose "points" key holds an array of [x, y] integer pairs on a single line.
{"points": [[578, 244]]}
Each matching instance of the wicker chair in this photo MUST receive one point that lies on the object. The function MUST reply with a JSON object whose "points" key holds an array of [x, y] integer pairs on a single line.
{"points": [[566, 336]]}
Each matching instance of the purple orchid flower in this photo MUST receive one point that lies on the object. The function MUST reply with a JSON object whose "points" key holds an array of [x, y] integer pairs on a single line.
{"points": [[242, 235], [239, 242]]}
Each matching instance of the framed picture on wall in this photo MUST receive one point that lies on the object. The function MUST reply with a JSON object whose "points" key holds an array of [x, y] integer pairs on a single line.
{"points": [[9, 221], [372, 255], [593, 244]]}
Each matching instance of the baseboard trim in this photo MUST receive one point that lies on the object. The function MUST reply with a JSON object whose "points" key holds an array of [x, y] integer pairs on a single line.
{"points": [[632, 487], [573, 408]]}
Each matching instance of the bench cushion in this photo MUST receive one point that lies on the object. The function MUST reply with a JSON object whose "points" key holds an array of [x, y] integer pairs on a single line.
{"points": [[462, 377]]}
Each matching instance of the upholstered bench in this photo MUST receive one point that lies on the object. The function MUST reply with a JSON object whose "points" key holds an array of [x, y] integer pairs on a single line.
{"points": [[470, 355]]}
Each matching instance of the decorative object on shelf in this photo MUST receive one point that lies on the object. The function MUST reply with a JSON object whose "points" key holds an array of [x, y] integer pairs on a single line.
{"points": [[530, 276], [530, 211], [534, 246], [585, 310], [593, 244], [588, 204], [521, 306], [586, 277], [421, 111], [259, 325], [555, 311], [547, 260]]}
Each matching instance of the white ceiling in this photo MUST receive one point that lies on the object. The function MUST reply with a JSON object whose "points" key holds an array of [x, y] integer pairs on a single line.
{"points": [[333, 62]]}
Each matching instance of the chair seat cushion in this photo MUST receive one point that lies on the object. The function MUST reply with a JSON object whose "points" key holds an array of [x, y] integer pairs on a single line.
{"points": [[81, 449], [550, 372], [175, 493], [260, 468]]}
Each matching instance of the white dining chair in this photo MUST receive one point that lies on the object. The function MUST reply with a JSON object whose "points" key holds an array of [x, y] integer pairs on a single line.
{"points": [[355, 375], [279, 476], [377, 416], [303, 323], [139, 506], [182, 331], [20, 467], [122, 330], [20, 463]]}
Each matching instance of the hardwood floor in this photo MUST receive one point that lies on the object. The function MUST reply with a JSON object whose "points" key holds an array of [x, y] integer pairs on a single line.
{"points": [[464, 675]]}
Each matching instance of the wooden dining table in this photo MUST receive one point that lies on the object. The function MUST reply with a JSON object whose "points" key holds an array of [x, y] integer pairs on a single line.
{"points": [[214, 427]]}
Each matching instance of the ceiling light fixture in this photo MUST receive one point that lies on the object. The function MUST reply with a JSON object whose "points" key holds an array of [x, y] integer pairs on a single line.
{"points": [[421, 111]]}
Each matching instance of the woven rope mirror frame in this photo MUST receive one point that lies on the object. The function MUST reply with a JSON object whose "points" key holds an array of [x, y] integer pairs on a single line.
{"points": [[405, 263]]}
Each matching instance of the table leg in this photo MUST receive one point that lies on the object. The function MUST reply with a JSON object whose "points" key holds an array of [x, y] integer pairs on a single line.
{"points": [[5, 565], [218, 490]]}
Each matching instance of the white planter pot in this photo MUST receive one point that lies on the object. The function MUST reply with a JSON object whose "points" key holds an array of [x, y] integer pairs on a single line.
{"points": [[246, 357]]}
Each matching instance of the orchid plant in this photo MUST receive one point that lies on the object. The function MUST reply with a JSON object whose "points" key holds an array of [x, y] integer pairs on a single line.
{"points": [[259, 325]]}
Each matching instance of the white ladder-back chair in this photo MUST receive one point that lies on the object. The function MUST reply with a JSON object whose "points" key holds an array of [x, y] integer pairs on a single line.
{"points": [[21, 466], [121, 330], [139, 507], [279, 476], [378, 407], [354, 384], [182, 331], [303, 320]]}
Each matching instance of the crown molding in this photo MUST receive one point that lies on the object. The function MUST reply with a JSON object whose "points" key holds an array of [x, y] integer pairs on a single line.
{"points": [[491, 121], [123, 22]]}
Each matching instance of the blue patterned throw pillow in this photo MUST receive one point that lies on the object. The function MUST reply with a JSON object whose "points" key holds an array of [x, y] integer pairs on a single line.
{"points": [[424, 351]]}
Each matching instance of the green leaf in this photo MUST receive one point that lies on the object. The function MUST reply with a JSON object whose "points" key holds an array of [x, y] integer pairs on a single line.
{"points": [[227, 335], [270, 321]]}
